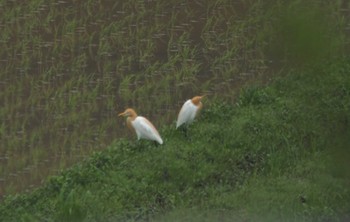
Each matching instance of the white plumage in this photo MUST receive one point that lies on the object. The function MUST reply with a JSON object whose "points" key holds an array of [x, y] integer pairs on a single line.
{"points": [[145, 130], [189, 111]]}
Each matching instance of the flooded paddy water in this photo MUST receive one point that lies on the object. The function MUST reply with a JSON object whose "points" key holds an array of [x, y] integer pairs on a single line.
{"points": [[67, 68]]}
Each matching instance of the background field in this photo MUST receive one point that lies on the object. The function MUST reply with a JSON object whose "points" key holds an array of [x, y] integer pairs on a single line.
{"points": [[279, 154], [67, 68]]}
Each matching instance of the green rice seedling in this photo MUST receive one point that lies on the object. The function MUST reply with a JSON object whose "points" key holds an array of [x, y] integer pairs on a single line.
{"points": [[90, 58], [124, 87]]}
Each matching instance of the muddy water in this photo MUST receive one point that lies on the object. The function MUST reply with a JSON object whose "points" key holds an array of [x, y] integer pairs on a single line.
{"points": [[63, 67]]}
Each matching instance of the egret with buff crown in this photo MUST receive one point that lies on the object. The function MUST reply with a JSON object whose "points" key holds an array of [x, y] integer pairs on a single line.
{"points": [[143, 128], [189, 111]]}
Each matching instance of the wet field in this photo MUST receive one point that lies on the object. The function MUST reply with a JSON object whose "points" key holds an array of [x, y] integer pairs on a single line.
{"points": [[67, 69]]}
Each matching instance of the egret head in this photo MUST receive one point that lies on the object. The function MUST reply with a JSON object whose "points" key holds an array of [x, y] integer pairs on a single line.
{"points": [[197, 99], [128, 113]]}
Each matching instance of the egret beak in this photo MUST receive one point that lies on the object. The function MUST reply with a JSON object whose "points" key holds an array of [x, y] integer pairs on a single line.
{"points": [[122, 114]]}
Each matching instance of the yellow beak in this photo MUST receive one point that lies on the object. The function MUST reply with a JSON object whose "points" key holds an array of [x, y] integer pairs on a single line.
{"points": [[121, 114]]}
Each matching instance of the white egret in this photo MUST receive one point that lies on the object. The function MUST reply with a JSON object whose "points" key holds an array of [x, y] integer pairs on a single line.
{"points": [[143, 128], [189, 111]]}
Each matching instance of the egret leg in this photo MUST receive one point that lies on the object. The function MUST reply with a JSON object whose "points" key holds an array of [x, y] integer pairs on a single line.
{"points": [[140, 145], [134, 144], [185, 131], [156, 143]]}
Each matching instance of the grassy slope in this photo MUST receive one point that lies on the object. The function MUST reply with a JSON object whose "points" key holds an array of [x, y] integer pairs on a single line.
{"points": [[67, 67], [279, 153]]}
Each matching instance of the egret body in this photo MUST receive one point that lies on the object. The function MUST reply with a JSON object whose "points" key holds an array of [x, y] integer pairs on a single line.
{"points": [[189, 111], [143, 128]]}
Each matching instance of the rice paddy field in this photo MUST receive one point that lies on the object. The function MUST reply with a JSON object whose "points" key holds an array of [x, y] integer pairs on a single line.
{"points": [[68, 67]]}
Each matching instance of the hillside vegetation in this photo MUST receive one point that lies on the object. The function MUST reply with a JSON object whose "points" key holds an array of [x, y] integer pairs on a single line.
{"points": [[272, 142], [280, 153], [67, 67]]}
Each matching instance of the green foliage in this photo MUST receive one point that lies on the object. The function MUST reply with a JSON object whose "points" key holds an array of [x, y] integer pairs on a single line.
{"points": [[67, 67], [254, 96], [69, 208], [280, 153], [305, 33], [277, 155]]}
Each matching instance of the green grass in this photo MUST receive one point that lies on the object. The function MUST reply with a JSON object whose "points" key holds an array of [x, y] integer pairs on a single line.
{"points": [[280, 153], [66, 69]]}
